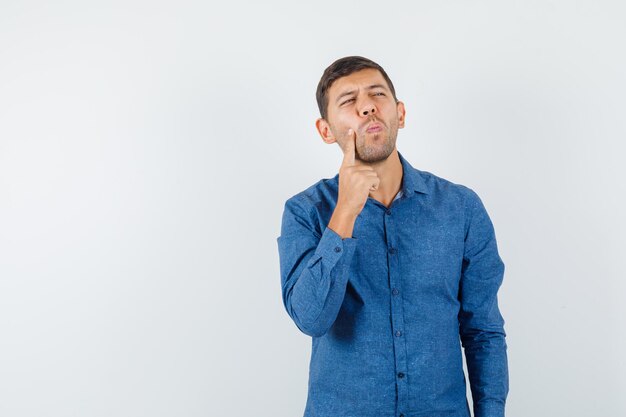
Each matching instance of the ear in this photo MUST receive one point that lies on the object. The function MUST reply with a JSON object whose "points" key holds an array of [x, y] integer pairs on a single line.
{"points": [[323, 128], [401, 114]]}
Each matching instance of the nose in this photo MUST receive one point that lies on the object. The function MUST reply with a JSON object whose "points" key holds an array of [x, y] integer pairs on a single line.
{"points": [[367, 109]]}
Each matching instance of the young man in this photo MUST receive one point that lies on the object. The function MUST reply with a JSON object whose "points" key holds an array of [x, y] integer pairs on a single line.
{"points": [[391, 270]]}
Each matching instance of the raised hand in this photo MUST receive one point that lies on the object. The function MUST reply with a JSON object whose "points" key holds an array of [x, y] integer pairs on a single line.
{"points": [[355, 181]]}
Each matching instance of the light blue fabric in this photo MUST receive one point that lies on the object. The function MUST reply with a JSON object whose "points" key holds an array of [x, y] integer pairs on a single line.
{"points": [[389, 308]]}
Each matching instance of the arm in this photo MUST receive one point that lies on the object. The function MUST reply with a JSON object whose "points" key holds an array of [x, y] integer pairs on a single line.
{"points": [[481, 325], [314, 270]]}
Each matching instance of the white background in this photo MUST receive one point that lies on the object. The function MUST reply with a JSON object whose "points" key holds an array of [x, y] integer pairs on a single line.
{"points": [[147, 149]]}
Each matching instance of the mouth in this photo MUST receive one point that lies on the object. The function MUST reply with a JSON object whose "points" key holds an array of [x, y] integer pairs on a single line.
{"points": [[374, 127]]}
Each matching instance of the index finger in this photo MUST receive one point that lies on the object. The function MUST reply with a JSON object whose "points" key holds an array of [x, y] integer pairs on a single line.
{"points": [[348, 151]]}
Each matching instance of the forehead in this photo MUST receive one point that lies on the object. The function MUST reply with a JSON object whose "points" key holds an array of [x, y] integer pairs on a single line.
{"points": [[356, 81]]}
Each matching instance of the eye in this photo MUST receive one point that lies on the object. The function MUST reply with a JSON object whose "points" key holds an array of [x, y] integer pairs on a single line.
{"points": [[347, 101], [379, 94]]}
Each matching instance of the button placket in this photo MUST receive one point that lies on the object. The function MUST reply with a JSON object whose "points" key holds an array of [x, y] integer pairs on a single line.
{"points": [[397, 314]]}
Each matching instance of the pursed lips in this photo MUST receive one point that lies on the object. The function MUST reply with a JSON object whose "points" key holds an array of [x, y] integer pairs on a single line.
{"points": [[374, 127]]}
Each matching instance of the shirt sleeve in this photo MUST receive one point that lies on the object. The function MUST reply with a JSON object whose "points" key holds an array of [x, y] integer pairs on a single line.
{"points": [[481, 325], [314, 270]]}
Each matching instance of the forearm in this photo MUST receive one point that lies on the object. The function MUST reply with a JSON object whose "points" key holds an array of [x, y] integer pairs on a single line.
{"points": [[342, 222], [487, 365], [313, 294]]}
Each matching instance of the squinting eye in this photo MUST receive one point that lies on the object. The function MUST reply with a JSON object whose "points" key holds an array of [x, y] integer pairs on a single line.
{"points": [[379, 94], [347, 101]]}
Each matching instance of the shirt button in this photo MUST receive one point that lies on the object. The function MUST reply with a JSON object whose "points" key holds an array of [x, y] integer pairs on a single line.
{"points": [[398, 333], [400, 375], [392, 250], [395, 291], [337, 249], [388, 212]]}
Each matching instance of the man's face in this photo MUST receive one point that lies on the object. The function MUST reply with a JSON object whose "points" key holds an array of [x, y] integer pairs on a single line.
{"points": [[362, 101]]}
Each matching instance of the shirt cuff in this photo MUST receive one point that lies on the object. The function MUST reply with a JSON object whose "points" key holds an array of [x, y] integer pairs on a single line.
{"points": [[332, 247], [489, 410]]}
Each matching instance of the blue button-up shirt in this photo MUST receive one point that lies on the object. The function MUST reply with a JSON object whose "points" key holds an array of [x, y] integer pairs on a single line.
{"points": [[389, 308]]}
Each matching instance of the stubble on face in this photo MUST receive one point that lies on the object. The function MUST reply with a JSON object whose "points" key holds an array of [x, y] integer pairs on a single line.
{"points": [[375, 147]]}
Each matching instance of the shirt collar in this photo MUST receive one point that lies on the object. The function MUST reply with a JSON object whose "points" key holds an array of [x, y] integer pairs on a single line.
{"points": [[412, 179]]}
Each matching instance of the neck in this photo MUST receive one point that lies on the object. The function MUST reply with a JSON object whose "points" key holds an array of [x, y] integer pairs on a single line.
{"points": [[390, 174]]}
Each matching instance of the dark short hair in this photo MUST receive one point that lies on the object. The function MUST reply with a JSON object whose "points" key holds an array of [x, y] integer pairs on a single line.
{"points": [[341, 68]]}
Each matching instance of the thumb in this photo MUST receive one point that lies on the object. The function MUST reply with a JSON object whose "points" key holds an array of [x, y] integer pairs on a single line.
{"points": [[349, 149]]}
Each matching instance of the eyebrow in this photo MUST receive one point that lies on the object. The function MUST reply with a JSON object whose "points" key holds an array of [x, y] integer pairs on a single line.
{"points": [[347, 93]]}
